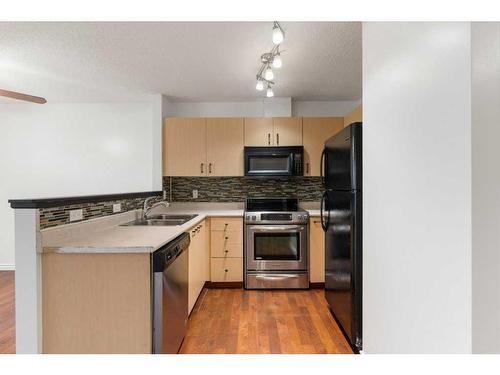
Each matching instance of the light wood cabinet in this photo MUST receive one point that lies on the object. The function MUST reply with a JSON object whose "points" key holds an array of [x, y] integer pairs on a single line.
{"points": [[316, 130], [96, 303], [225, 142], [227, 223], [316, 251], [226, 249], [356, 115], [185, 147], [277, 131], [198, 260], [287, 131], [226, 269], [259, 131]]}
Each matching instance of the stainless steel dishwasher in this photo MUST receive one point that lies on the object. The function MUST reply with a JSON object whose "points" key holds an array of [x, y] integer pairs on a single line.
{"points": [[170, 295]]}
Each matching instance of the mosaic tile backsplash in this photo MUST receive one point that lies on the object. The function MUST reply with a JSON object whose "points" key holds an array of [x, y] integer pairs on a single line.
{"points": [[237, 189], [53, 216]]}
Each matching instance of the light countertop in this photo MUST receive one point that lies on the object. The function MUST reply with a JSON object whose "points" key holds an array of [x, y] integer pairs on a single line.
{"points": [[105, 235]]}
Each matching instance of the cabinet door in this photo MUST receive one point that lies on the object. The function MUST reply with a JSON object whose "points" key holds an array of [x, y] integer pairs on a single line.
{"points": [[197, 263], [259, 131], [225, 141], [287, 131], [317, 251], [356, 115], [185, 147], [316, 131]]}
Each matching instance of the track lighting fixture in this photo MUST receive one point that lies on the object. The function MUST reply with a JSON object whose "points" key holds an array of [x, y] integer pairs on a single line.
{"points": [[270, 60], [269, 75], [278, 34]]}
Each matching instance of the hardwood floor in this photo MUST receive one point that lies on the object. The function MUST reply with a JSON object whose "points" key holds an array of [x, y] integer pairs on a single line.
{"points": [[7, 313], [251, 321], [233, 321]]}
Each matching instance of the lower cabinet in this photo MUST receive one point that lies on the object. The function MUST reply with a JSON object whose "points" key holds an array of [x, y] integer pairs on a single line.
{"points": [[316, 251], [226, 249], [197, 263]]}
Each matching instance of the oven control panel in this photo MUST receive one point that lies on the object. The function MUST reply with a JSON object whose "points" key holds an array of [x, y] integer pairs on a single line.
{"points": [[295, 217]]}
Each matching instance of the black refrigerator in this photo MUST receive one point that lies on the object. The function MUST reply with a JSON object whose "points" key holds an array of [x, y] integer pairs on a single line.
{"points": [[341, 210]]}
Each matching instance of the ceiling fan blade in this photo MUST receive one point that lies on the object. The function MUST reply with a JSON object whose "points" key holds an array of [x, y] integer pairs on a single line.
{"points": [[20, 96]]}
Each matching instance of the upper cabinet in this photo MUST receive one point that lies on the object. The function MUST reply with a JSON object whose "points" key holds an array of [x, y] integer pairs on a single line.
{"points": [[225, 146], [287, 131], [278, 131], [185, 147], [259, 131], [316, 131], [215, 146], [356, 115], [203, 147]]}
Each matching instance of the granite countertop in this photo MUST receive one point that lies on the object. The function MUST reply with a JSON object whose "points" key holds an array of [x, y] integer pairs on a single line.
{"points": [[107, 236]]}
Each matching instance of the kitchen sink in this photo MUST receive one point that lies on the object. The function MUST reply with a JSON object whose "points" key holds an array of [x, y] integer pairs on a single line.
{"points": [[162, 220]]}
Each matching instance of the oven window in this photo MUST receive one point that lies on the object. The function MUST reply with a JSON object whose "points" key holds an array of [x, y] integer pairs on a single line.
{"points": [[276, 246], [264, 163]]}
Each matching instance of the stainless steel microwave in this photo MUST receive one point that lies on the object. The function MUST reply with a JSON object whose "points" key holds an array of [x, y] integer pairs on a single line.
{"points": [[274, 161]]}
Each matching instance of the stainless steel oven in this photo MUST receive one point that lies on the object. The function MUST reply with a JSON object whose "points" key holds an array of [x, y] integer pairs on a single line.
{"points": [[276, 247], [276, 244]]}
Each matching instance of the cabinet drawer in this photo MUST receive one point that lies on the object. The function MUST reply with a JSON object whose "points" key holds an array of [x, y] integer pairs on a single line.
{"points": [[226, 269], [227, 250], [227, 223], [219, 238]]}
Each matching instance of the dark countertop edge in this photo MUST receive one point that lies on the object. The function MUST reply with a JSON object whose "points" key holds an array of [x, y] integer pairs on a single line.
{"points": [[65, 201]]}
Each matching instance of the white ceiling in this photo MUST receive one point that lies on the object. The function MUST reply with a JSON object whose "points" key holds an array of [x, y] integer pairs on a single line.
{"points": [[187, 61]]}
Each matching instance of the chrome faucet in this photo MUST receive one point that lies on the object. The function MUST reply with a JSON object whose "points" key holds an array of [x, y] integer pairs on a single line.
{"points": [[146, 209]]}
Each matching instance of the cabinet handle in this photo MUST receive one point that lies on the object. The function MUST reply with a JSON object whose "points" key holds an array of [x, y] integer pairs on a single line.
{"points": [[210, 168], [307, 168], [316, 222], [226, 238], [269, 139], [201, 168], [226, 270], [277, 139], [226, 251]]}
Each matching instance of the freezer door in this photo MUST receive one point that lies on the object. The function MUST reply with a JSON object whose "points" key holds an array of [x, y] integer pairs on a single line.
{"points": [[341, 160], [343, 261]]}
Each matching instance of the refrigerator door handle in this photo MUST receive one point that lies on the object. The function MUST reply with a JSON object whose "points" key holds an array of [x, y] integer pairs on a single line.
{"points": [[324, 200], [322, 168]]}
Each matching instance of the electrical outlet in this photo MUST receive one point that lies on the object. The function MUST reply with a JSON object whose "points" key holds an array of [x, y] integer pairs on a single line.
{"points": [[195, 193], [164, 195], [117, 207], [75, 215]]}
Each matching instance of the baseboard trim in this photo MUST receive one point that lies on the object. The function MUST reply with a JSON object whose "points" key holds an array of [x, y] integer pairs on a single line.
{"points": [[224, 284], [317, 285], [7, 267]]}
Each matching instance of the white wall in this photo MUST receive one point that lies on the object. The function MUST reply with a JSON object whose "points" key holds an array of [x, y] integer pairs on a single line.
{"points": [[261, 107], [485, 187], [417, 215], [324, 108], [71, 149]]}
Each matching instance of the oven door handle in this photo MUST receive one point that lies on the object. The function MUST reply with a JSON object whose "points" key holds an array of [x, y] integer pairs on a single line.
{"points": [[269, 228], [275, 277]]}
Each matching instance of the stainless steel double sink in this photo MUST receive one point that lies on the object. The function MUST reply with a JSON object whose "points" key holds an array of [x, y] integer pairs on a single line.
{"points": [[162, 220]]}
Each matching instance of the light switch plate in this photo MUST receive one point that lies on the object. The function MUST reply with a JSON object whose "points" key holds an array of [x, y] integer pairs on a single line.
{"points": [[117, 207], [75, 215], [195, 194]]}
